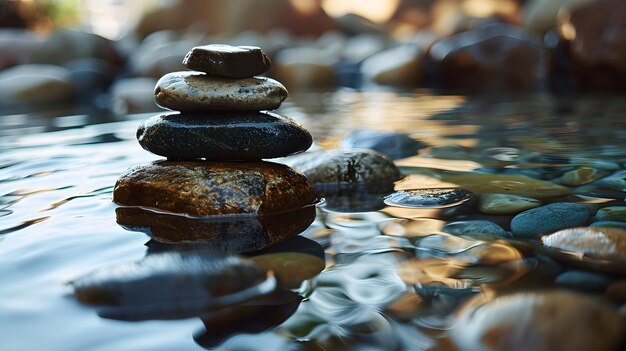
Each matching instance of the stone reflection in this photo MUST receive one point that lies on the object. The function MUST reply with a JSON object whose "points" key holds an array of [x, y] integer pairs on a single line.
{"points": [[233, 234]]}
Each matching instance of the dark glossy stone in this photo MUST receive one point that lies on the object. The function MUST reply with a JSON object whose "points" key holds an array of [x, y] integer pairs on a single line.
{"points": [[548, 219], [488, 58], [429, 198], [198, 92], [583, 281], [214, 188], [231, 234], [172, 285], [228, 61], [233, 136], [475, 227], [390, 144], [346, 172]]}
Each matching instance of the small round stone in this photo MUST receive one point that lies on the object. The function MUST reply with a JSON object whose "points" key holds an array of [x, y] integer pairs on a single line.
{"points": [[233, 136], [580, 176], [506, 184], [549, 218], [583, 281], [429, 198], [198, 92], [390, 144], [505, 204], [214, 188], [609, 224], [228, 61], [590, 247]]}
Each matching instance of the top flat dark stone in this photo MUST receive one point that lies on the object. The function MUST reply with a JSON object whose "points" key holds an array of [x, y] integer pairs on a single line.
{"points": [[228, 61]]}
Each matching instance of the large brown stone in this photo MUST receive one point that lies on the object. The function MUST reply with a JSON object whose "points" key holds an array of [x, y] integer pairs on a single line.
{"points": [[198, 92], [215, 188]]}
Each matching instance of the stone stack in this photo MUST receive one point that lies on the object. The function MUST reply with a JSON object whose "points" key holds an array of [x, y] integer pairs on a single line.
{"points": [[215, 143]]}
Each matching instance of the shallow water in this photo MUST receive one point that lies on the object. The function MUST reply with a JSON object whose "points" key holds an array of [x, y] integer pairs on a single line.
{"points": [[57, 221]]}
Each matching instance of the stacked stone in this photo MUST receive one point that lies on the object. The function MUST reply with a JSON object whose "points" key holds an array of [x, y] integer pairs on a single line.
{"points": [[216, 139]]}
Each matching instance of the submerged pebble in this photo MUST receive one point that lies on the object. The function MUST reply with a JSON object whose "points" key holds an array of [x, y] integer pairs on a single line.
{"points": [[233, 136], [198, 92], [549, 218], [215, 188], [583, 281], [595, 248], [505, 204], [172, 284], [611, 213], [506, 184], [580, 176], [539, 321], [475, 227]]}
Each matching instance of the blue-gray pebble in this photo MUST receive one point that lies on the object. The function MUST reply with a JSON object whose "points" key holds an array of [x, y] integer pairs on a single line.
{"points": [[583, 281], [477, 226], [548, 219]]}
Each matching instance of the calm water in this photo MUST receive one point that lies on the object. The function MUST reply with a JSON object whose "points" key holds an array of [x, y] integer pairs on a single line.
{"points": [[57, 221]]}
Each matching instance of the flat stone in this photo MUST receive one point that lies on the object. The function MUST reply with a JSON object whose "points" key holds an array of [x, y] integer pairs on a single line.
{"points": [[214, 188], [429, 198], [580, 176], [35, 84], [505, 204], [198, 92], [346, 172], [232, 136], [506, 184], [548, 219], [609, 224], [597, 248], [390, 144], [611, 213], [540, 321], [616, 181], [172, 285], [228, 61]]}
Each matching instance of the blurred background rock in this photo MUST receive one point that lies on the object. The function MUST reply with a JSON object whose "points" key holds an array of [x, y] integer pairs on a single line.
{"points": [[107, 54]]}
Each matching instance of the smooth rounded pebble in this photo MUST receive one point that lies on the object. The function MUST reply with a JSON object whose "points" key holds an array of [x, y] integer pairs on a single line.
{"points": [[228, 61], [505, 204], [393, 145], [214, 188], [233, 136], [583, 281], [595, 248], [549, 218], [611, 213], [506, 184], [538, 321], [346, 172], [198, 92]]}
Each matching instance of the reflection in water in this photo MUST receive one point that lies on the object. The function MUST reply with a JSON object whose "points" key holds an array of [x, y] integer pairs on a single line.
{"points": [[392, 277], [235, 234]]}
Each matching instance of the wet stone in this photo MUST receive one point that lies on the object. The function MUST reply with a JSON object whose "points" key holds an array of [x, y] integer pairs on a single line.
{"points": [[596, 248], [549, 218], [583, 281], [172, 285], [580, 176], [475, 227], [611, 213], [505, 204], [429, 198], [390, 144], [228, 61], [35, 84], [616, 181], [538, 321], [232, 136], [617, 291], [609, 224], [215, 188], [506, 184], [198, 92], [346, 172]]}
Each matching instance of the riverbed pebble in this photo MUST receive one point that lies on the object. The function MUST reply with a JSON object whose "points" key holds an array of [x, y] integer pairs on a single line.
{"points": [[505, 204], [549, 218]]}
